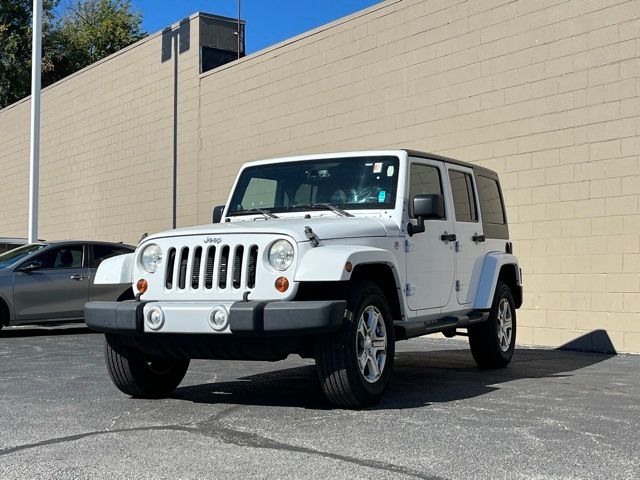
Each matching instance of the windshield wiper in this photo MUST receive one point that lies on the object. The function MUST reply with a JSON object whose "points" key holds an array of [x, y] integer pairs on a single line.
{"points": [[256, 210], [327, 206]]}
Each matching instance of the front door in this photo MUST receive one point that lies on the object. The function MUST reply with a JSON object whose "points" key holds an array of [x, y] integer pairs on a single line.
{"points": [[469, 244], [430, 261], [58, 289]]}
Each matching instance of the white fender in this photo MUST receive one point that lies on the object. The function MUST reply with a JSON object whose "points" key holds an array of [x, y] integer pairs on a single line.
{"points": [[115, 270], [327, 263], [493, 262]]}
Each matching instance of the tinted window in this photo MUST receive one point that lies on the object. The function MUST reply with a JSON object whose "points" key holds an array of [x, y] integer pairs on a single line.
{"points": [[424, 179], [12, 256], [69, 256], [102, 252], [463, 197], [490, 200]]}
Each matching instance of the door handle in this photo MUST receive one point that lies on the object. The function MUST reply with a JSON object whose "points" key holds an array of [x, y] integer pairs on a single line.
{"points": [[448, 237], [478, 238], [78, 276]]}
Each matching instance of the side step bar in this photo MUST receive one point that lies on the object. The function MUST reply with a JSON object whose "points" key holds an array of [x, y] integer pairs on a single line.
{"points": [[415, 328]]}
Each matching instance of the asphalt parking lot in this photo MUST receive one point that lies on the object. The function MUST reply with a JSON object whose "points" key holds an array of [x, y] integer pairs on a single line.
{"points": [[551, 414]]}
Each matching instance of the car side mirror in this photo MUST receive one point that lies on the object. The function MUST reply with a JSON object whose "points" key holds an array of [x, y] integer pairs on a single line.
{"points": [[428, 206], [217, 213], [30, 267]]}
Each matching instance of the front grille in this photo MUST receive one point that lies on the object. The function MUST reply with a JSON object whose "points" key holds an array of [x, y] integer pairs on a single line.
{"points": [[211, 267]]}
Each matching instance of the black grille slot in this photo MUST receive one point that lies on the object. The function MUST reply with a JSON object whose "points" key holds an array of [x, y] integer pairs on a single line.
{"points": [[195, 268], [251, 266], [224, 267], [208, 271], [182, 274], [237, 266], [171, 260]]}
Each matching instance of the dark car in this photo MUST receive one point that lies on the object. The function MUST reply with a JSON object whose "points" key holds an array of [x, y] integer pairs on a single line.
{"points": [[51, 281]]}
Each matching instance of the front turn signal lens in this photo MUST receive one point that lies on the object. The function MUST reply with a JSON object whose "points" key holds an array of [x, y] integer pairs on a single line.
{"points": [[142, 286], [282, 284]]}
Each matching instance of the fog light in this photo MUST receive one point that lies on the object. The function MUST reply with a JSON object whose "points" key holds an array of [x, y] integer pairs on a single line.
{"points": [[219, 318], [154, 318], [282, 284], [142, 286]]}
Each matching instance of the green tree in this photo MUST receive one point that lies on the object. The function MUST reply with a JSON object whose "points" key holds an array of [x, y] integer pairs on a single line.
{"points": [[93, 29], [15, 47], [86, 31]]}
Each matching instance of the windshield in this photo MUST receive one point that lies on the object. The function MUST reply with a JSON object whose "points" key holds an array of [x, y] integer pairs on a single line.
{"points": [[347, 183], [12, 256]]}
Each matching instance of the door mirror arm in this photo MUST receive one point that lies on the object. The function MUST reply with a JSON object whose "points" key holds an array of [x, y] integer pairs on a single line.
{"points": [[418, 228]]}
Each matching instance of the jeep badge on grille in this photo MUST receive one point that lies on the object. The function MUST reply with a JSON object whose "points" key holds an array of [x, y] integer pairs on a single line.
{"points": [[215, 240]]}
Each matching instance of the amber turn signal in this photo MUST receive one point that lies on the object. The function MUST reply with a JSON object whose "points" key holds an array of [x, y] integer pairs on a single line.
{"points": [[348, 267], [142, 286], [282, 284]]}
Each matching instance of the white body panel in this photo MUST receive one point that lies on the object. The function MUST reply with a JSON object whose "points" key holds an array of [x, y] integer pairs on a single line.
{"points": [[115, 270], [491, 266]]}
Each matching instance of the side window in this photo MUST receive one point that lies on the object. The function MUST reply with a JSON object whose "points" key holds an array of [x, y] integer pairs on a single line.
{"points": [[463, 197], [102, 252], [423, 179], [260, 193], [69, 256], [490, 200]]}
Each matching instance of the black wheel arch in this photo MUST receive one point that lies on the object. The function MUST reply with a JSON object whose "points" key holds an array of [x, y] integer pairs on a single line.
{"points": [[509, 275]]}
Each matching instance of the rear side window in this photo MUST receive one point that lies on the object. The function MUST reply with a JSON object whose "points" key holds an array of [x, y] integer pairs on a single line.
{"points": [[424, 179], [102, 252], [490, 200], [463, 196]]}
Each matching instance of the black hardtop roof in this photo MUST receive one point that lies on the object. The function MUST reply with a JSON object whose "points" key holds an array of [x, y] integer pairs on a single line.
{"points": [[433, 156]]}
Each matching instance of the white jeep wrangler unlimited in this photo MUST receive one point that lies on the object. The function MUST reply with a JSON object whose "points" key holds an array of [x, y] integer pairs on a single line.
{"points": [[333, 257]]}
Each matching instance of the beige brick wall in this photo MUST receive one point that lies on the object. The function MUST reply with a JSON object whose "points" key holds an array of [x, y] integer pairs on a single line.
{"points": [[546, 92]]}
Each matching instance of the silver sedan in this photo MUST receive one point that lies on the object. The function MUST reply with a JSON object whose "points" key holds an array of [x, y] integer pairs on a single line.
{"points": [[51, 281]]}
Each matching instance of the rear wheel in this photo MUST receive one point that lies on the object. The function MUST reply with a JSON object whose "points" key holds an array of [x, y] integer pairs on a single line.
{"points": [[354, 364], [140, 375], [493, 342]]}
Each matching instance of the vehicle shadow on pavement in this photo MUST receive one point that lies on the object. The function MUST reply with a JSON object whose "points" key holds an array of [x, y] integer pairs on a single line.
{"points": [[421, 378], [44, 331]]}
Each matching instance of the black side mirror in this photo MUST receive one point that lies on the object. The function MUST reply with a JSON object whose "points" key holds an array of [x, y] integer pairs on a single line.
{"points": [[428, 206], [217, 213], [30, 267]]}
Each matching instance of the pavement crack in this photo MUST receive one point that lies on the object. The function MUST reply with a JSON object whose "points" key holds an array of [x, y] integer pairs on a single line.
{"points": [[79, 436], [254, 440]]}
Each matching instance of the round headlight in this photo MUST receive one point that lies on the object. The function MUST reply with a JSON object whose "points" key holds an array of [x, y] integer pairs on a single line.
{"points": [[281, 255], [151, 257]]}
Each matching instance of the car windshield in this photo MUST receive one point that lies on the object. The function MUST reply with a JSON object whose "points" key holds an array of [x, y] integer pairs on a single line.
{"points": [[12, 256], [347, 183]]}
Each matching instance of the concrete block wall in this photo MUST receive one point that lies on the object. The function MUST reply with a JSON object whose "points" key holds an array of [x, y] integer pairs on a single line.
{"points": [[546, 92]]}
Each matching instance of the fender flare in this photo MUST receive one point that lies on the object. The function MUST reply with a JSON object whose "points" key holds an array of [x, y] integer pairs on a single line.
{"points": [[327, 263], [115, 270], [493, 263]]}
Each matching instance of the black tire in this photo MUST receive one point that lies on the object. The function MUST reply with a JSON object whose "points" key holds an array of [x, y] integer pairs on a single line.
{"points": [[489, 348], [138, 375], [341, 378]]}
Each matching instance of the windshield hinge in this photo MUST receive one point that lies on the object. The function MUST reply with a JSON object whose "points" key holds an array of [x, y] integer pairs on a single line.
{"points": [[313, 238]]}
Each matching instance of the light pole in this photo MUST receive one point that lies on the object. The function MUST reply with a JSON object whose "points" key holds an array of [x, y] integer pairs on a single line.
{"points": [[34, 156]]}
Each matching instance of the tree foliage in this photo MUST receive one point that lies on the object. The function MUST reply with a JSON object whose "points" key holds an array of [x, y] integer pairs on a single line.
{"points": [[85, 32]]}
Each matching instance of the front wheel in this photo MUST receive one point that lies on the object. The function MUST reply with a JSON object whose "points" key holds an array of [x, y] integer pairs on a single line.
{"points": [[493, 342], [139, 375], [354, 364]]}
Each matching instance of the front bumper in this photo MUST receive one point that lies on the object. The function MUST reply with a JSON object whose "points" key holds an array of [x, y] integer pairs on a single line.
{"points": [[252, 318]]}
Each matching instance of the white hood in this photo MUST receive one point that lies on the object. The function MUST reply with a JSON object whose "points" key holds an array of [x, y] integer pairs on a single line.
{"points": [[325, 228]]}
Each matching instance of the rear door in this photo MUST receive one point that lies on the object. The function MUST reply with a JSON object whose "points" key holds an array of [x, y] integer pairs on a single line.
{"points": [[57, 290], [469, 243], [97, 254]]}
